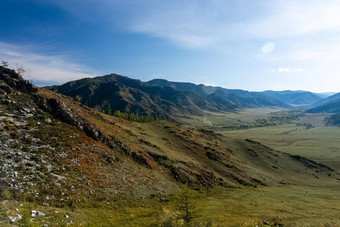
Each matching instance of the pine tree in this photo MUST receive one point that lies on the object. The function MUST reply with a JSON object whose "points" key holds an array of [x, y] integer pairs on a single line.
{"points": [[117, 113], [108, 109], [186, 204]]}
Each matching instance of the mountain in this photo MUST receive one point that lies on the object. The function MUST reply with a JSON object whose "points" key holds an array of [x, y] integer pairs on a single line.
{"points": [[244, 98], [128, 95], [329, 99], [329, 107], [237, 97], [325, 94], [294, 97], [330, 104], [61, 156], [132, 96], [201, 90]]}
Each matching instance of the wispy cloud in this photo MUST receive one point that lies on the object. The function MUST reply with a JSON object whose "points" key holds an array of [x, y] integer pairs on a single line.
{"points": [[212, 23], [198, 24], [294, 18], [57, 68], [286, 70]]}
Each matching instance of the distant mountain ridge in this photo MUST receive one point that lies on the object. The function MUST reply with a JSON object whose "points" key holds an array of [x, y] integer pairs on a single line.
{"points": [[269, 98], [294, 97], [160, 96], [241, 98], [118, 92], [330, 104], [328, 99]]}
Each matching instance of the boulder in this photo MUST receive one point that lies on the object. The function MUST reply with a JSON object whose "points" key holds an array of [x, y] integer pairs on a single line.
{"points": [[15, 218], [35, 213]]}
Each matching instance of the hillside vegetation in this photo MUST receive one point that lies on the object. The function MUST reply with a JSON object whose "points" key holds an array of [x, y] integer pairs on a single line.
{"points": [[329, 107], [334, 119]]}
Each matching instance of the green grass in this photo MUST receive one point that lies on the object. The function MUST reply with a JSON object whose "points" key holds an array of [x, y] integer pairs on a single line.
{"points": [[290, 205], [223, 119], [320, 143]]}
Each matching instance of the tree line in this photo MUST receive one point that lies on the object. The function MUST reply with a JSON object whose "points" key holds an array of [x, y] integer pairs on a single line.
{"points": [[132, 116]]}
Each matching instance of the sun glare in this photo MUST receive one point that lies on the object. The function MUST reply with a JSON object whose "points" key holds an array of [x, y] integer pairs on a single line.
{"points": [[268, 47]]}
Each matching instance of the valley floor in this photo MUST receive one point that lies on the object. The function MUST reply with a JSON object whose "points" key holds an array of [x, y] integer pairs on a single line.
{"points": [[321, 144]]}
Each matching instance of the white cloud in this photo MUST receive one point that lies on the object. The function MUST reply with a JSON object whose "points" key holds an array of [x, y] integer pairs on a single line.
{"points": [[286, 70], [57, 68], [282, 70]]}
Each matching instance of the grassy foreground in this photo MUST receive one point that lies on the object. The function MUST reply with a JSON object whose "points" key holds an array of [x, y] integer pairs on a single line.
{"points": [[289, 205]]}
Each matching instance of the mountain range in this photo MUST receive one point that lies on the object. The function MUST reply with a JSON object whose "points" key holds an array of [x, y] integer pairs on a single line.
{"points": [[115, 92]]}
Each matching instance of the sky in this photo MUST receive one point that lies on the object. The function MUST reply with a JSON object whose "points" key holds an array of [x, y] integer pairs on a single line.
{"points": [[244, 44]]}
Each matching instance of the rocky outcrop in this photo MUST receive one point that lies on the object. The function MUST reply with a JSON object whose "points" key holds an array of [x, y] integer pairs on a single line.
{"points": [[15, 81], [61, 111], [194, 176], [311, 164]]}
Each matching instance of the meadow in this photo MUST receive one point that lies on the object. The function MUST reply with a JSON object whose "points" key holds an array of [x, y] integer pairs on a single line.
{"points": [[293, 205], [307, 136], [319, 142]]}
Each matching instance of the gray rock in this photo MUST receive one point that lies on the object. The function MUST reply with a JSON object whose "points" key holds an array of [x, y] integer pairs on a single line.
{"points": [[35, 213], [265, 222], [15, 218]]}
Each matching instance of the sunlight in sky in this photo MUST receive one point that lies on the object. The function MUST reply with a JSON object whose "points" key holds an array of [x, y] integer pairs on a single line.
{"points": [[268, 47]]}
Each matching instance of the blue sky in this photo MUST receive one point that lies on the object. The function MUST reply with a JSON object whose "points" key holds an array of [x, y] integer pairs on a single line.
{"points": [[253, 45]]}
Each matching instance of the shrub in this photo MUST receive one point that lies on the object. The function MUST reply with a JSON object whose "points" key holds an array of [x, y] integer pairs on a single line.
{"points": [[6, 194]]}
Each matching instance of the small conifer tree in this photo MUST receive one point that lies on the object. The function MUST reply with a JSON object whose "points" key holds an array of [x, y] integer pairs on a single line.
{"points": [[4, 64], [186, 204], [108, 109]]}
